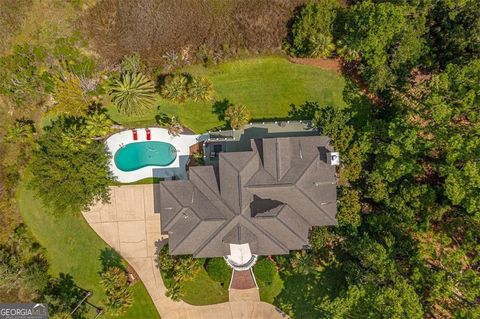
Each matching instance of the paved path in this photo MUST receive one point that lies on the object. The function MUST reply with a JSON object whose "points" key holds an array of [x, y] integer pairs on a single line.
{"points": [[130, 226]]}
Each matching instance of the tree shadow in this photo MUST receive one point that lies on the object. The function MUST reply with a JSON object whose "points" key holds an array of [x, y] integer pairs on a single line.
{"points": [[305, 111], [303, 293], [161, 118], [219, 108], [63, 296], [110, 258]]}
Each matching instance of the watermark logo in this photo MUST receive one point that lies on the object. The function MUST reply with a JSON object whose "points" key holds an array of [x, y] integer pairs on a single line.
{"points": [[23, 311]]}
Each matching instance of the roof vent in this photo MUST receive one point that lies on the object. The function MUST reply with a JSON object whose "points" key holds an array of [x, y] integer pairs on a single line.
{"points": [[333, 158]]}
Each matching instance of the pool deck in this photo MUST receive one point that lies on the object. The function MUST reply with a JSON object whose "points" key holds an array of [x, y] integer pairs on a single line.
{"points": [[181, 143]]}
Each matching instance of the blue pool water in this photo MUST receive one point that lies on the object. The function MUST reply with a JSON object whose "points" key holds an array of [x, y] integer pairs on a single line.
{"points": [[137, 155]]}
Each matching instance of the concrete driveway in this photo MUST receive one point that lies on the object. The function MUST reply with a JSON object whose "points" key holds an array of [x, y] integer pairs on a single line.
{"points": [[129, 225]]}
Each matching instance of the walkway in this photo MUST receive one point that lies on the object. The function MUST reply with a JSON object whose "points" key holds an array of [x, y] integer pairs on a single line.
{"points": [[129, 225]]}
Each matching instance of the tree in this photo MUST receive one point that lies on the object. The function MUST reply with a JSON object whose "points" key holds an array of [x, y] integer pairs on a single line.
{"points": [[333, 122], [70, 97], [69, 179], [132, 93], [237, 116], [371, 301], [117, 289], [97, 125], [454, 32], [312, 29], [388, 37], [174, 127]]}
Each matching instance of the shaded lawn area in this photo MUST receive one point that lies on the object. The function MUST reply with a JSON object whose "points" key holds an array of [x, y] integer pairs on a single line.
{"points": [[302, 293], [266, 85], [73, 248], [202, 290], [270, 290]]}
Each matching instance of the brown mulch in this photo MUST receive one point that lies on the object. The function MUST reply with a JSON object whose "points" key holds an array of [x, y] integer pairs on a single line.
{"points": [[242, 280], [325, 64]]}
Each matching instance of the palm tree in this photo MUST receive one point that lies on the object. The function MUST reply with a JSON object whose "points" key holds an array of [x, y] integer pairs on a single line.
{"points": [[237, 116], [174, 127], [133, 93], [98, 125], [200, 89], [176, 89], [321, 46]]}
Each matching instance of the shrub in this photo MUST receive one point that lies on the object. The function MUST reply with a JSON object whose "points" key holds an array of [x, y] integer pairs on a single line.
{"points": [[119, 296], [200, 89], [133, 93], [69, 96], [132, 64], [237, 116], [219, 271], [265, 270], [311, 34]]}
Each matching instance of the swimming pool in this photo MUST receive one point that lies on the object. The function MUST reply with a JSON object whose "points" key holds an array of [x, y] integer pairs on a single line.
{"points": [[134, 156]]}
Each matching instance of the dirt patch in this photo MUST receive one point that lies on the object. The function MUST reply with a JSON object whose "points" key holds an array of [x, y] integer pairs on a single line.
{"points": [[325, 64]]}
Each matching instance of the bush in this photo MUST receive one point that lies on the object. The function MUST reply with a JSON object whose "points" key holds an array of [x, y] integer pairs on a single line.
{"points": [[265, 270], [219, 271]]}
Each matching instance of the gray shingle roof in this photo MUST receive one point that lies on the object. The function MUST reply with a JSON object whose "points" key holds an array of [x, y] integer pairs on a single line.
{"points": [[268, 197]]}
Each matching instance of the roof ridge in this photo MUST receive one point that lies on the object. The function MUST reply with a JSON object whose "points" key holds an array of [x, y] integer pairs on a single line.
{"points": [[193, 170], [274, 239]]}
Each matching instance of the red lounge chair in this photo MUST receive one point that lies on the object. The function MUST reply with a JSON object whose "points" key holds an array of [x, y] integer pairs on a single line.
{"points": [[135, 135], [149, 134]]}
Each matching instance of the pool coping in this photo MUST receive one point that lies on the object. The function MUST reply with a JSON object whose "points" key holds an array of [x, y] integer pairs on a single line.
{"points": [[181, 143]]}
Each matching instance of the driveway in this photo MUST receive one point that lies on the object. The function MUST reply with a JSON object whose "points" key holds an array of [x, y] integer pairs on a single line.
{"points": [[129, 225]]}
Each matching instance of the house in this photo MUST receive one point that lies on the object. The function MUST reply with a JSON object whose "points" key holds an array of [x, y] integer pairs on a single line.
{"points": [[262, 201]]}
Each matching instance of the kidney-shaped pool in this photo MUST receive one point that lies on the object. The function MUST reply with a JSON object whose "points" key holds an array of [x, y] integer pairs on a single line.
{"points": [[151, 153]]}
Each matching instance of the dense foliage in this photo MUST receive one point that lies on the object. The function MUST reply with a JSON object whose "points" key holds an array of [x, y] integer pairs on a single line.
{"points": [[119, 296], [312, 29], [70, 168]]}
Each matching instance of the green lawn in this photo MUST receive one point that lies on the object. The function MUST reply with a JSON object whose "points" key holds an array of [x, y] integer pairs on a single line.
{"points": [[202, 290], [268, 291], [266, 85], [73, 248]]}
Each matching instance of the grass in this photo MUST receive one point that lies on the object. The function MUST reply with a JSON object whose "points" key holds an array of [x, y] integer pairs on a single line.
{"points": [[202, 290], [268, 280], [269, 290], [302, 293], [147, 180], [266, 85], [73, 248]]}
